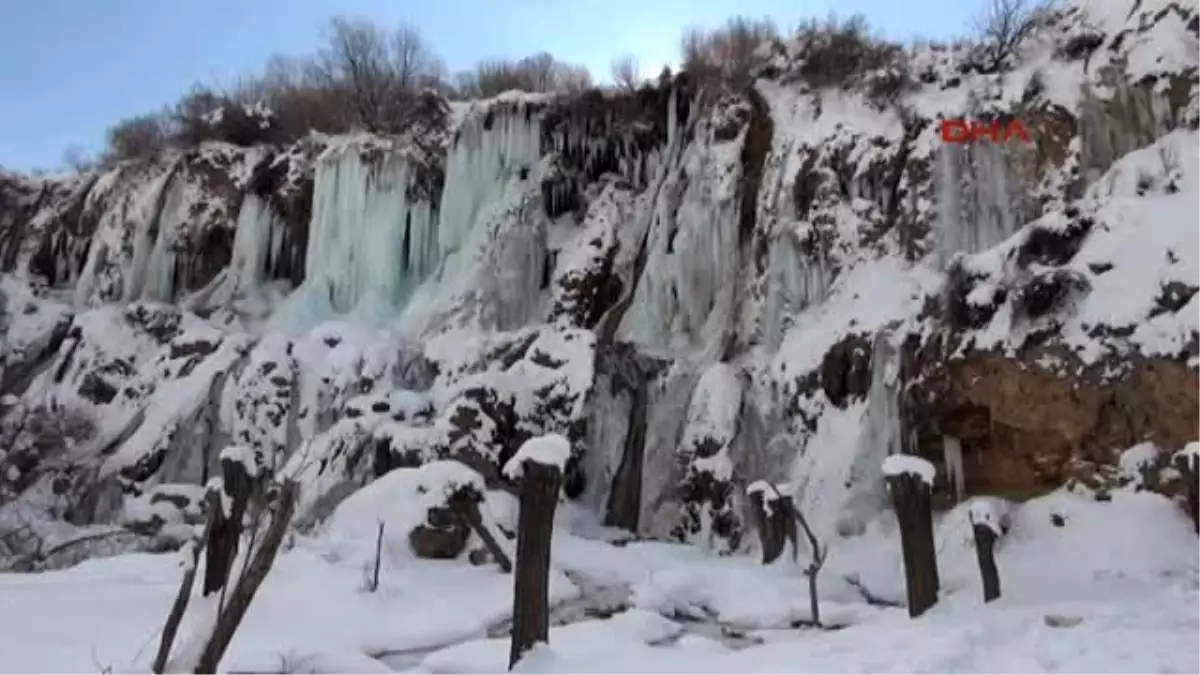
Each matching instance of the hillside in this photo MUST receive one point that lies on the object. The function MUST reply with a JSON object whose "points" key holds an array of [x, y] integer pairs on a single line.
{"points": [[700, 286]]}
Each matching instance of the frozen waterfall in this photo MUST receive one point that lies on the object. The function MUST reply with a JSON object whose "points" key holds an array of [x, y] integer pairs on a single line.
{"points": [[494, 142], [978, 199], [257, 242], [794, 283], [371, 242]]}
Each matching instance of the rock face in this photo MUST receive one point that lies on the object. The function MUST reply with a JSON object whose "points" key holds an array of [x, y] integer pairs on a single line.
{"points": [[699, 285]]}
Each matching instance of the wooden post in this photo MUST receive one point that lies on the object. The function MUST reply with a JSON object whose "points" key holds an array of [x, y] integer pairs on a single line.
{"points": [[1188, 465], [911, 497], [985, 550], [531, 608], [248, 583], [777, 528], [226, 528]]}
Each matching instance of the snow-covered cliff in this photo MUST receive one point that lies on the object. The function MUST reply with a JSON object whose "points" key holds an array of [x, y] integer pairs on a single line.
{"points": [[699, 287]]}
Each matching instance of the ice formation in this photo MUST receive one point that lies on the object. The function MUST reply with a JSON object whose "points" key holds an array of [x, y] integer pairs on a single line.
{"points": [[953, 457], [685, 296], [494, 142], [371, 241], [881, 436], [977, 198], [794, 284]]}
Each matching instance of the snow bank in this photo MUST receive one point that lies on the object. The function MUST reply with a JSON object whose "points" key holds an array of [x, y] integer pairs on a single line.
{"points": [[400, 500]]}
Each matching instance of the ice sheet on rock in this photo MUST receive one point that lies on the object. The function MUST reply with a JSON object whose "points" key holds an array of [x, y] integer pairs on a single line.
{"points": [[171, 412]]}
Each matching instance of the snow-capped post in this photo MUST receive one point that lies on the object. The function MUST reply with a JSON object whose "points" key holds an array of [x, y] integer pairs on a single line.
{"points": [[539, 465], [1187, 462], [230, 501], [986, 527], [910, 482], [773, 518]]}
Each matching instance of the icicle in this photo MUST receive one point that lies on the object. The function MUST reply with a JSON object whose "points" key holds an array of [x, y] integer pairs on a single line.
{"points": [[953, 456]]}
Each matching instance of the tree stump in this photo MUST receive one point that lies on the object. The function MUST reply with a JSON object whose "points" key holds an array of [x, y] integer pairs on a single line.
{"points": [[911, 498], [774, 517], [1188, 465], [531, 608], [985, 551]]}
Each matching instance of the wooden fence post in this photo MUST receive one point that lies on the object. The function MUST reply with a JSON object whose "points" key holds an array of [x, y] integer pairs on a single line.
{"points": [[910, 482]]}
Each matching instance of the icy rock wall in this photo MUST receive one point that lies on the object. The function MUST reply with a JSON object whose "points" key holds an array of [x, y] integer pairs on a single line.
{"points": [[369, 240]]}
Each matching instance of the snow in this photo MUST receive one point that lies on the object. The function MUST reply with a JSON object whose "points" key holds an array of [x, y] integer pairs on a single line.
{"points": [[1124, 569], [899, 465], [411, 305], [551, 450]]}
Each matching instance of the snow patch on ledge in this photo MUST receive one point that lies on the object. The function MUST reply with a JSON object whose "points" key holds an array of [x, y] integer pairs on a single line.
{"points": [[549, 450], [898, 465]]}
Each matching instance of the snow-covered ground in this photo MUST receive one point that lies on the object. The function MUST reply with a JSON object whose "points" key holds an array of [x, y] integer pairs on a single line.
{"points": [[1088, 587]]}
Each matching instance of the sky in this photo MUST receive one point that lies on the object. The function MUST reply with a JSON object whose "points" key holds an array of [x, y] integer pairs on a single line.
{"points": [[71, 68]]}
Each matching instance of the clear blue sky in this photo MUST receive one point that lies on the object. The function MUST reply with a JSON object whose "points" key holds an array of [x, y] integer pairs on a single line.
{"points": [[70, 68]]}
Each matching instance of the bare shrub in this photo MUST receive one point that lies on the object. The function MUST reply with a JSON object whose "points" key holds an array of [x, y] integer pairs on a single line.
{"points": [[1002, 26], [204, 115], [838, 52], [730, 52], [137, 137], [32, 435]]}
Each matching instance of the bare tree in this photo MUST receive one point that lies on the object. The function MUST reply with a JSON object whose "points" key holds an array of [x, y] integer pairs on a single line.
{"points": [[625, 73], [540, 72], [1002, 26], [412, 60], [357, 55]]}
